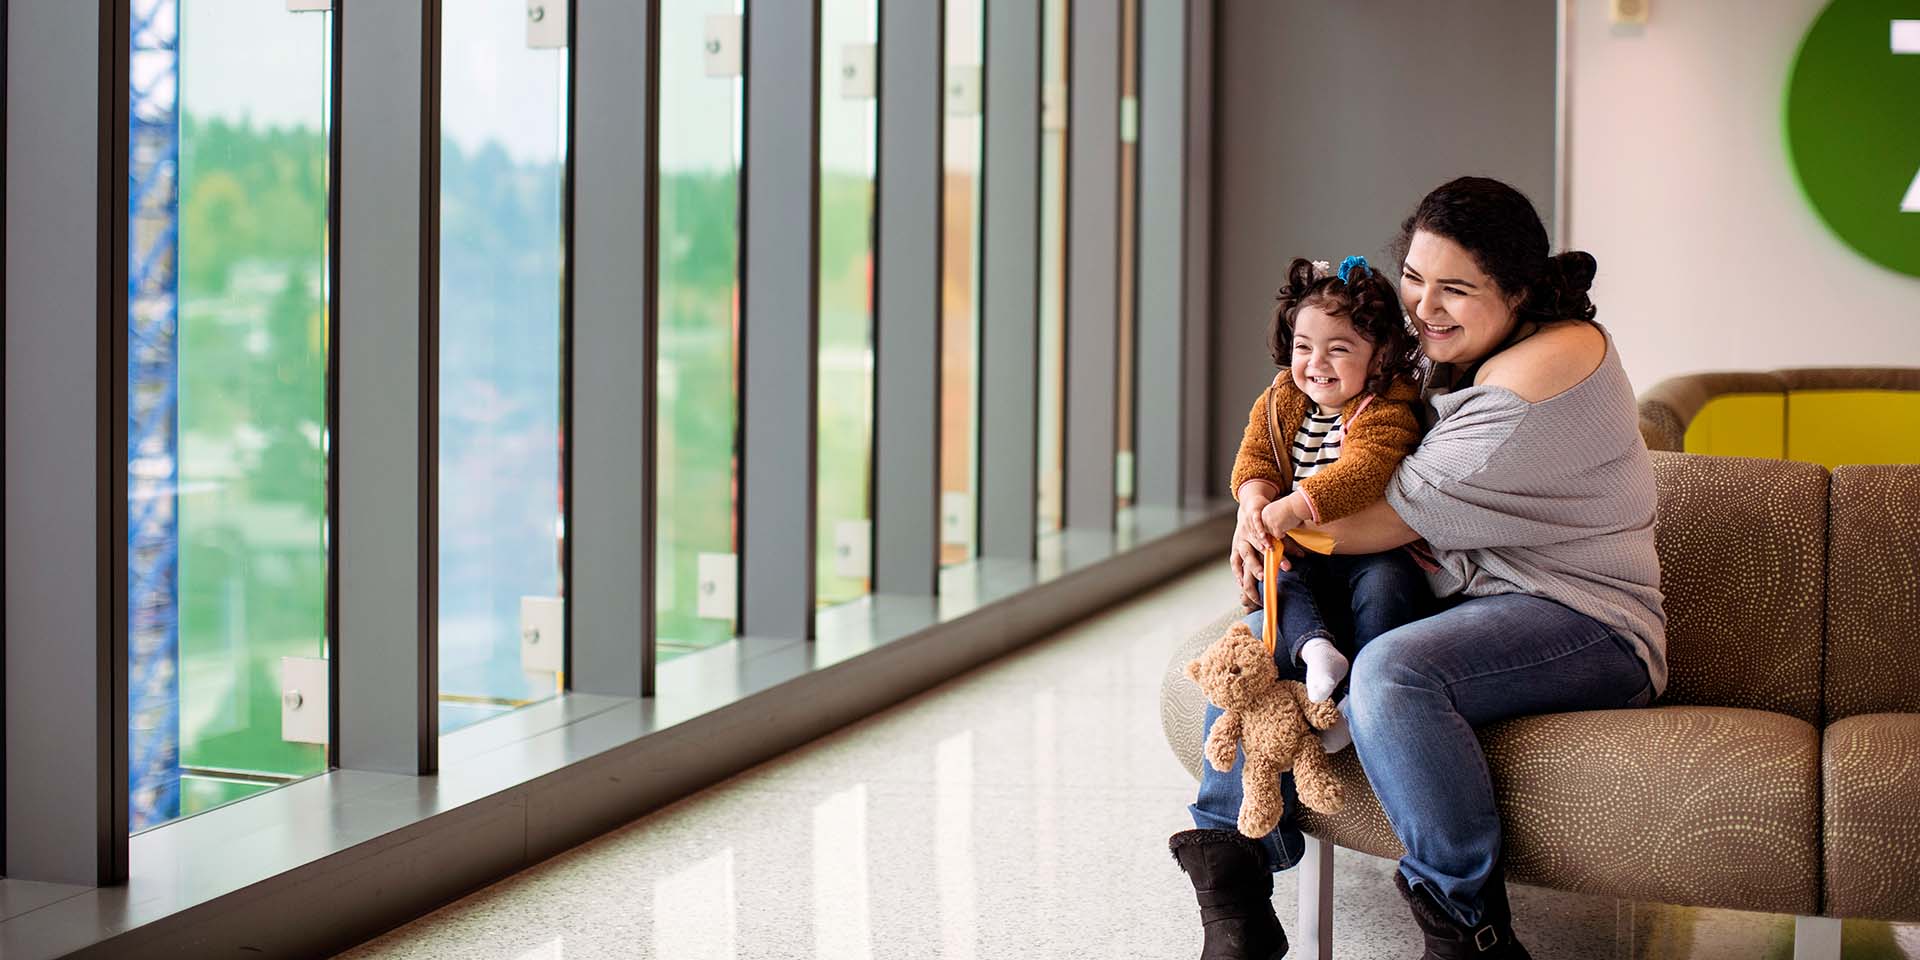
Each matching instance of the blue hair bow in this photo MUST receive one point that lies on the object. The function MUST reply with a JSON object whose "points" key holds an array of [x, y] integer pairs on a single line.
{"points": [[1347, 265]]}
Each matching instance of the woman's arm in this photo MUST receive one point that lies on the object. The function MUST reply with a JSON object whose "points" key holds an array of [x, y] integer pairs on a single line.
{"points": [[1375, 528]]}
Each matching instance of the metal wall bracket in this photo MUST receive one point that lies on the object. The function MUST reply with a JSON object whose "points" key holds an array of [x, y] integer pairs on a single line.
{"points": [[305, 699], [853, 548], [963, 90], [859, 64], [547, 24], [956, 517], [722, 45], [719, 575], [1053, 107], [543, 634]]}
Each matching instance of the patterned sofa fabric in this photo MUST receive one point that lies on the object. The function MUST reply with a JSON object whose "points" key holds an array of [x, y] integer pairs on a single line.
{"points": [[1742, 547], [1870, 769], [1873, 593], [1871, 761]]}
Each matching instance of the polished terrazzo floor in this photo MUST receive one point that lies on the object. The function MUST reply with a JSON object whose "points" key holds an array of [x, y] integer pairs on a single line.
{"points": [[1019, 811]]}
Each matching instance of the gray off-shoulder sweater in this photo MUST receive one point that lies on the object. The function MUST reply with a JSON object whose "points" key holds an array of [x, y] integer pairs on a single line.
{"points": [[1553, 499]]}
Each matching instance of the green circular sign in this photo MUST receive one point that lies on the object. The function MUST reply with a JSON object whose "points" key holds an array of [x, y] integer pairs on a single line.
{"points": [[1853, 126]]}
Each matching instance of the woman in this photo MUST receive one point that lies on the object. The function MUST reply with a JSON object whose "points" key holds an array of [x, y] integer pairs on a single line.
{"points": [[1531, 499]]}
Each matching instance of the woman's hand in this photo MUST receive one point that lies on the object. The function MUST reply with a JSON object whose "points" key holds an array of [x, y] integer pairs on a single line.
{"points": [[1249, 546], [1250, 540]]}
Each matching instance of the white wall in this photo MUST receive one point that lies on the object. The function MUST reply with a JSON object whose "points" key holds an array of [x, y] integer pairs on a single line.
{"points": [[1679, 183]]}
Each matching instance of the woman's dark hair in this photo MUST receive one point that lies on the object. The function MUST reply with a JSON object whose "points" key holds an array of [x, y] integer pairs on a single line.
{"points": [[1368, 302], [1500, 230]]}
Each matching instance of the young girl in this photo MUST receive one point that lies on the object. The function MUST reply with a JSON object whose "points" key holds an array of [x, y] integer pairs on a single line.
{"points": [[1320, 444]]}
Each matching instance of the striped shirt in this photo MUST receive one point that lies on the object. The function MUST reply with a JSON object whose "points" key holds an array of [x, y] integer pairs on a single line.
{"points": [[1316, 444]]}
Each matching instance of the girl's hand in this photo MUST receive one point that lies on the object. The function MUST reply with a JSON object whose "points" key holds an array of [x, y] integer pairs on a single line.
{"points": [[1278, 517]]}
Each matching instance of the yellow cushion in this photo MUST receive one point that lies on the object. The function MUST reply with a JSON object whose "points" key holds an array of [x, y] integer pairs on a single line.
{"points": [[1740, 425], [1840, 427]]}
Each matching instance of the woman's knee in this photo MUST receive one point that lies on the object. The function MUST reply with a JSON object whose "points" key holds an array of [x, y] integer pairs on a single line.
{"points": [[1386, 669]]}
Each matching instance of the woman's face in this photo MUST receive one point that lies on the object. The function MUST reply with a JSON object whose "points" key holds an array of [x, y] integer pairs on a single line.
{"points": [[1460, 314]]}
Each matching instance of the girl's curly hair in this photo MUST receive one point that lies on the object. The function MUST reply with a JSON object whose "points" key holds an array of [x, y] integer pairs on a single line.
{"points": [[1368, 302]]}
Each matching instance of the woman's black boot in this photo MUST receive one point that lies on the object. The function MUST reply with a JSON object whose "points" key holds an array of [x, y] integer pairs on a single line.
{"points": [[1235, 889], [1448, 939]]}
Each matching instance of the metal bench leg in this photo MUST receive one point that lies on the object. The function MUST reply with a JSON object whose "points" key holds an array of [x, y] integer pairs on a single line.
{"points": [[1316, 902], [1816, 938]]}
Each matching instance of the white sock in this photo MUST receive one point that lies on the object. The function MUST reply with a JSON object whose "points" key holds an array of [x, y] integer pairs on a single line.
{"points": [[1337, 737], [1326, 667]]}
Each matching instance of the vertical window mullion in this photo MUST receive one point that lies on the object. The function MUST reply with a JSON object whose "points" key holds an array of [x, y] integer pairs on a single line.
{"points": [[387, 643], [1010, 283], [907, 260], [1093, 261], [780, 320], [611, 493]]}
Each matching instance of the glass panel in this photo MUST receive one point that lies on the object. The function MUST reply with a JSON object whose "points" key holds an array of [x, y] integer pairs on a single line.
{"points": [[699, 346], [960, 283], [503, 112], [848, 123], [1129, 238], [1053, 262], [227, 391]]}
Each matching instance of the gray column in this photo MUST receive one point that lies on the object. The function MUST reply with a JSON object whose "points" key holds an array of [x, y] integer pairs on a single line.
{"points": [[1196, 456], [387, 649], [780, 336], [907, 250], [610, 491], [1010, 283], [1160, 451], [66, 464], [1093, 263]]}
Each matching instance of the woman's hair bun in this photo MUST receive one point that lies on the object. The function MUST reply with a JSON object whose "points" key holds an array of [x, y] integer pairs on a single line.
{"points": [[1561, 292], [1576, 268]]}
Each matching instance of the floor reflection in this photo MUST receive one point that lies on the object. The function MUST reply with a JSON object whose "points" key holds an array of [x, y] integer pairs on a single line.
{"points": [[953, 844], [842, 912], [694, 911]]}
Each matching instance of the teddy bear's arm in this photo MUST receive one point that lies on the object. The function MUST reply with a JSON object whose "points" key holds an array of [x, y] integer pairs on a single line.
{"points": [[1223, 743]]}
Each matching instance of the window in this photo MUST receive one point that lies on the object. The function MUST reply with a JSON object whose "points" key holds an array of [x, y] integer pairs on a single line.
{"points": [[1053, 262], [960, 283], [697, 537], [1124, 473], [228, 336], [848, 126], [503, 147]]}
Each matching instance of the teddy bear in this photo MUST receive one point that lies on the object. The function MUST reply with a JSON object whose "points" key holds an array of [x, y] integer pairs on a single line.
{"points": [[1274, 720]]}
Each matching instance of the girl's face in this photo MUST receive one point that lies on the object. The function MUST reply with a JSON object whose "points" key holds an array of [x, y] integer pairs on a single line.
{"points": [[1331, 360], [1460, 314]]}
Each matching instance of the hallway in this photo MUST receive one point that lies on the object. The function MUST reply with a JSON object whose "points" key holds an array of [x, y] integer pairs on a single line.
{"points": [[1019, 811]]}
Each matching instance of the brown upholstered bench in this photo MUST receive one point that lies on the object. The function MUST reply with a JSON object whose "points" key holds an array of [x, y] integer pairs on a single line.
{"points": [[1756, 782]]}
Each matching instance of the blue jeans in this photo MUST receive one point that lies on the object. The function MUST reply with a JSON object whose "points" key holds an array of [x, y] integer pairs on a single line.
{"points": [[1417, 694], [1366, 595], [1369, 595]]}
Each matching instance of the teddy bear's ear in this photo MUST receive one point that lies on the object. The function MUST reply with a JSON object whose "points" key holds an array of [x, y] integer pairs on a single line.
{"points": [[1193, 670]]}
